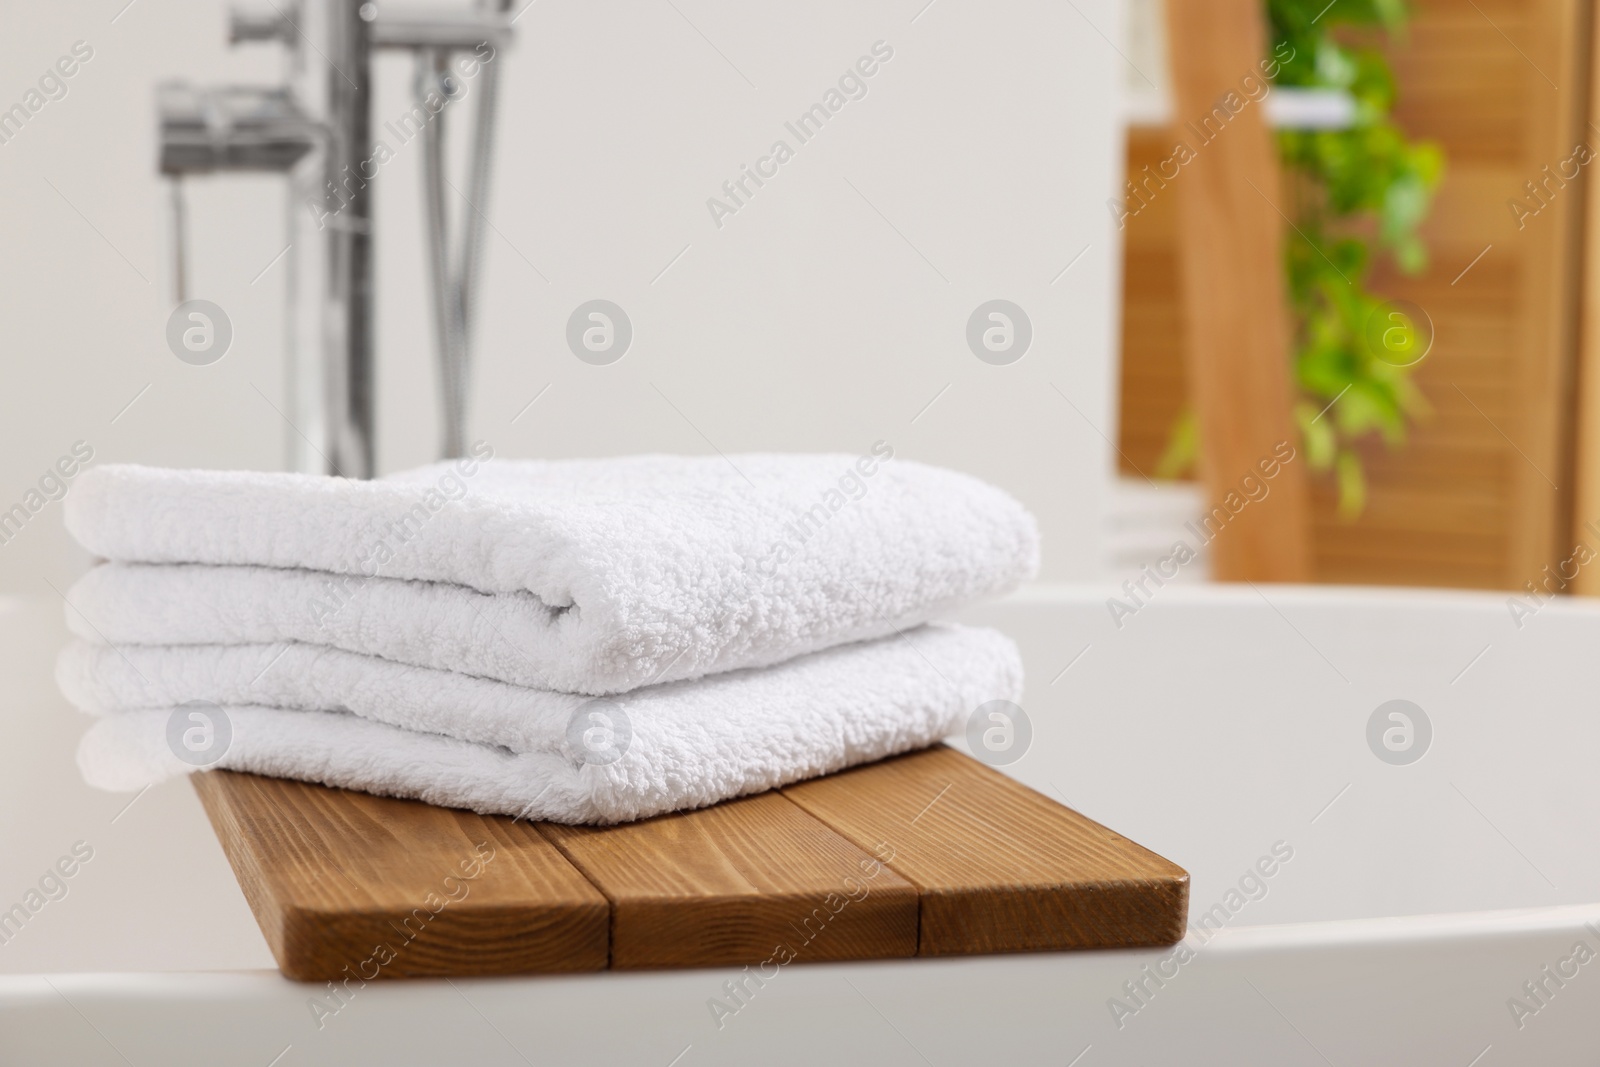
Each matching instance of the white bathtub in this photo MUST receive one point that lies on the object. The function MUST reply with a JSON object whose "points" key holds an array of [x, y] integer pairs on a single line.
{"points": [[1212, 727]]}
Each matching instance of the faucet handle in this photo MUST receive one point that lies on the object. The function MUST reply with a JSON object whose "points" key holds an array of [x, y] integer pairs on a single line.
{"points": [[276, 24], [232, 128]]}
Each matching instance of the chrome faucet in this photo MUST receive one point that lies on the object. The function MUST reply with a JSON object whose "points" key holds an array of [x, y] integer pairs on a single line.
{"points": [[327, 117]]}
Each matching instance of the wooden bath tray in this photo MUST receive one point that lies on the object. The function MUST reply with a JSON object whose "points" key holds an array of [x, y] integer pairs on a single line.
{"points": [[930, 854]]}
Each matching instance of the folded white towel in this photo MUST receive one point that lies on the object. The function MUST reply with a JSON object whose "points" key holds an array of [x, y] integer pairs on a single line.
{"points": [[327, 716], [591, 576]]}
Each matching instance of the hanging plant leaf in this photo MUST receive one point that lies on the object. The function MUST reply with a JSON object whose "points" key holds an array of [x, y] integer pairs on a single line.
{"points": [[1358, 193]]}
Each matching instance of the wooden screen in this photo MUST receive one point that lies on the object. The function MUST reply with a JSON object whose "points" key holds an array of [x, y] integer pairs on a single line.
{"points": [[1480, 495]]}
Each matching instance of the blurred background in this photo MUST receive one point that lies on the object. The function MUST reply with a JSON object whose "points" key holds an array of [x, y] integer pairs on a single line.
{"points": [[1432, 160], [828, 313], [1226, 292], [1357, 229]]}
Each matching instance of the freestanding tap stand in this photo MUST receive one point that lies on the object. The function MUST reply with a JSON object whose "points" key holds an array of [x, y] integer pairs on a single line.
{"points": [[347, 346], [256, 128]]}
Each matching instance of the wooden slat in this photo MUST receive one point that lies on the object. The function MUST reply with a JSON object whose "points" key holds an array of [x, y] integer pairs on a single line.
{"points": [[999, 867], [932, 853], [1544, 372], [1155, 386], [335, 876], [1586, 458], [1230, 256], [732, 883]]}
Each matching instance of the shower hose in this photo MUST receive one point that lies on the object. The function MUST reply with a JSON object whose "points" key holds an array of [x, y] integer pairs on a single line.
{"points": [[455, 273]]}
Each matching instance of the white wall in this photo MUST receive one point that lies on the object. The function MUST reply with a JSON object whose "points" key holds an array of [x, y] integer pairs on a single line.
{"points": [[824, 315]]}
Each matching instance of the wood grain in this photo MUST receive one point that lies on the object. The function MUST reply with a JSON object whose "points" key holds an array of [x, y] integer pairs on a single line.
{"points": [[1230, 255], [999, 867], [346, 883], [734, 883], [931, 853]]}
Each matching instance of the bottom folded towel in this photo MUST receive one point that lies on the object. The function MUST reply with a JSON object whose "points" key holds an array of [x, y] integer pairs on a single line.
{"points": [[323, 715]]}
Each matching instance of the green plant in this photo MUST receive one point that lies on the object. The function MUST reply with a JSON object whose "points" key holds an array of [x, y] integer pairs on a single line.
{"points": [[1356, 193]]}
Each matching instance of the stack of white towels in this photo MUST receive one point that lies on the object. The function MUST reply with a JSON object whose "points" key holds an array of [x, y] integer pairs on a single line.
{"points": [[584, 641]]}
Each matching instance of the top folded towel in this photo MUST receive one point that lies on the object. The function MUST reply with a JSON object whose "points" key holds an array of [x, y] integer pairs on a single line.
{"points": [[639, 569]]}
